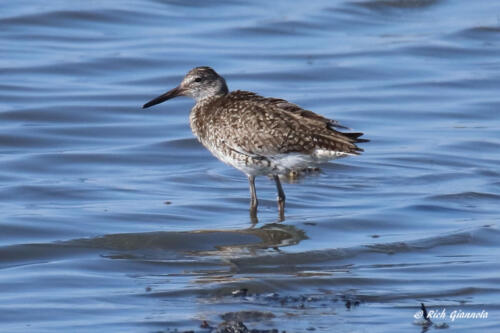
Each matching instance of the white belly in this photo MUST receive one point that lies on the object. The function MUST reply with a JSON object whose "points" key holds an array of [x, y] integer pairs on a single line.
{"points": [[281, 163]]}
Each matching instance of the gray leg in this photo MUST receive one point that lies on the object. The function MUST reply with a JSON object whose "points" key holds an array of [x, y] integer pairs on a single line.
{"points": [[281, 197], [253, 196]]}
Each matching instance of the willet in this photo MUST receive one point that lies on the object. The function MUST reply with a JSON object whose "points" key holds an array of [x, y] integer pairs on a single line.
{"points": [[259, 135]]}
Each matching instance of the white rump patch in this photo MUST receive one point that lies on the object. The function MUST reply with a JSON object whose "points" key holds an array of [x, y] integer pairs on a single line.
{"points": [[292, 161], [295, 161], [323, 155]]}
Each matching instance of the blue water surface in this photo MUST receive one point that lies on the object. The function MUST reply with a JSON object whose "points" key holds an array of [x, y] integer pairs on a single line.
{"points": [[115, 218]]}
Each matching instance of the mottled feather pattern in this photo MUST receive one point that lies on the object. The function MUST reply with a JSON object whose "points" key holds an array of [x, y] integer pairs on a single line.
{"points": [[247, 128]]}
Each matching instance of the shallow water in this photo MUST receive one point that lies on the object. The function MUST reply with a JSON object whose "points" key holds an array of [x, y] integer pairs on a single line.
{"points": [[114, 218]]}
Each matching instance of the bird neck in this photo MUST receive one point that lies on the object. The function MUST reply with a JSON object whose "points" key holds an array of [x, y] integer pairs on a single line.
{"points": [[220, 89], [200, 102]]}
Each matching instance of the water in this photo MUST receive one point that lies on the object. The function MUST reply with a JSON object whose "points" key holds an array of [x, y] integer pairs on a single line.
{"points": [[114, 218]]}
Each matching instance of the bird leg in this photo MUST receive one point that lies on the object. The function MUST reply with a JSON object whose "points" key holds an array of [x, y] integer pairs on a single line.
{"points": [[253, 197], [281, 197]]}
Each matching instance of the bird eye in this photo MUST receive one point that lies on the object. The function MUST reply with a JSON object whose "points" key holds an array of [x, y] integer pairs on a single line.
{"points": [[198, 79]]}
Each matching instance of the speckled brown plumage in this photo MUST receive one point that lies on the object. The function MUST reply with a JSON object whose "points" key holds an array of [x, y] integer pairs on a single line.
{"points": [[259, 135], [245, 123]]}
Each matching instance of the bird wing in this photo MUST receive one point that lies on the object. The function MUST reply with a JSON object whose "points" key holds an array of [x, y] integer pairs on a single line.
{"points": [[285, 105], [263, 127], [288, 106]]}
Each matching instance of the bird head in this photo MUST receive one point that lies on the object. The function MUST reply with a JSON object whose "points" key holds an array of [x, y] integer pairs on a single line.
{"points": [[199, 83]]}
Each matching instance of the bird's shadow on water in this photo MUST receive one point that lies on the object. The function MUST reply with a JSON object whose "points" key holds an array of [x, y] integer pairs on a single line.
{"points": [[168, 245], [195, 246]]}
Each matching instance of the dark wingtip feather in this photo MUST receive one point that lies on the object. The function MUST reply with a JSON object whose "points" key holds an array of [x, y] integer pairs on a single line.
{"points": [[362, 140], [333, 124], [355, 137]]}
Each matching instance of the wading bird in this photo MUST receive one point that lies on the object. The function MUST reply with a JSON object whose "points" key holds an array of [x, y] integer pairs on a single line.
{"points": [[259, 135]]}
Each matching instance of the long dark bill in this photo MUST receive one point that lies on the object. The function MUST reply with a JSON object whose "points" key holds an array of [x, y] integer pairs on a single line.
{"points": [[177, 91]]}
